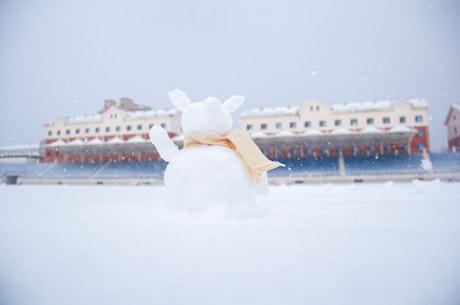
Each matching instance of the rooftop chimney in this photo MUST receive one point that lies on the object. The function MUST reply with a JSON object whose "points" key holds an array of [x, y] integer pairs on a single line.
{"points": [[127, 104], [108, 103]]}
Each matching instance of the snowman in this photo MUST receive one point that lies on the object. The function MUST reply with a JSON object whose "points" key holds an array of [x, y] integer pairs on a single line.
{"points": [[218, 165]]}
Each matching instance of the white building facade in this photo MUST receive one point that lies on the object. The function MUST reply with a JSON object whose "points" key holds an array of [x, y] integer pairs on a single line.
{"points": [[316, 128], [320, 128], [117, 133]]}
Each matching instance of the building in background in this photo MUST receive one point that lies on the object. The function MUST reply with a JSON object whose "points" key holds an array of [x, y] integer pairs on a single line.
{"points": [[317, 128], [120, 132], [452, 123], [116, 133], [20, 154]]}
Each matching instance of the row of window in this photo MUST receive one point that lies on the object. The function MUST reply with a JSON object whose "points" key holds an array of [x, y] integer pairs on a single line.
{"points": [[337, 123], [108, 129]]}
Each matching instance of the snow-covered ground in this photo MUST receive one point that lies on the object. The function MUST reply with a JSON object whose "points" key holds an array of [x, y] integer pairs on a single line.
{"points": [[388, 243]]}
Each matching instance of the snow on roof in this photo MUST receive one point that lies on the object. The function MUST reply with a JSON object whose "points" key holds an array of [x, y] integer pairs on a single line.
{"points": [[76, 142], [83, 118], [340, 131], [137, 139], [151, 113], [284, 133], [335, 132], [373, 105], [95, 141], [420, 102], [371, 129], [257, 135], [314, 132], [401, 128], [116, 140], [17, 147], [57, 143], [133, 114], [341, 107], [270, 111]]}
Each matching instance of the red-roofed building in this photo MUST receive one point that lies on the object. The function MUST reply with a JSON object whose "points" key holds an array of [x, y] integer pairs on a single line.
{"points": [[452, 123]]}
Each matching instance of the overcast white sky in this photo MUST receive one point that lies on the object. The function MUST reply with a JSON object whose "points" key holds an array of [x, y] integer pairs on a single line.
{"points": [[65, 57]]}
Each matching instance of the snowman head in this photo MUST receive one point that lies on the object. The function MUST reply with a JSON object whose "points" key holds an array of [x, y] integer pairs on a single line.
{"points": [[209, 115]]}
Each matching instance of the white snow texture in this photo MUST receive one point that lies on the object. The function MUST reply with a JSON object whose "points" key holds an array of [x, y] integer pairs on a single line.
{"points": [[348, 244], [201, 177]]}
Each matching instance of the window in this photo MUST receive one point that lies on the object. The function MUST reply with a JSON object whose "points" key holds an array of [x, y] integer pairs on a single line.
{"points": [[86, 130], [338, 122], [128, 128], [279, 125], [420, 132], [419, 118], [139, 127], [402, 119], [371, 148], [354, 122], [118, 128], [163, 125], [311, 108], [322, 123], [386, 120], [50, 133], [263, 126], [370, 121], [307, 124], [293, 125], [317, 108], [248, 126], [150, 126], [67, 131], [107, 129], [58, 132], [455, 130], [420, 146], [77, 131], [97, 129]]}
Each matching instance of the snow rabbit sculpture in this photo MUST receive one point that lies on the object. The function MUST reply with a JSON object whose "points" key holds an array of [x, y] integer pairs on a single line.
{"points": [[218, 165]]}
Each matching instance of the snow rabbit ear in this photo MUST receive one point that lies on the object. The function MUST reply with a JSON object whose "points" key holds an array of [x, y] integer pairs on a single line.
{"points": [[179, 99], [233, 103]]}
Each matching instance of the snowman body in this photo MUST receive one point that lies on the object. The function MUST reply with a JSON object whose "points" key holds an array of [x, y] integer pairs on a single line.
{"points": [[204, 176], [201, 176]]}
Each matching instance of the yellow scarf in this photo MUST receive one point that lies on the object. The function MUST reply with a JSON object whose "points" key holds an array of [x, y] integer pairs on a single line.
{"points": [[242, 144]]}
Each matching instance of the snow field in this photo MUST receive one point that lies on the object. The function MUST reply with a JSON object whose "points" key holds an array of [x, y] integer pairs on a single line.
{"points": [[388, 243]]}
